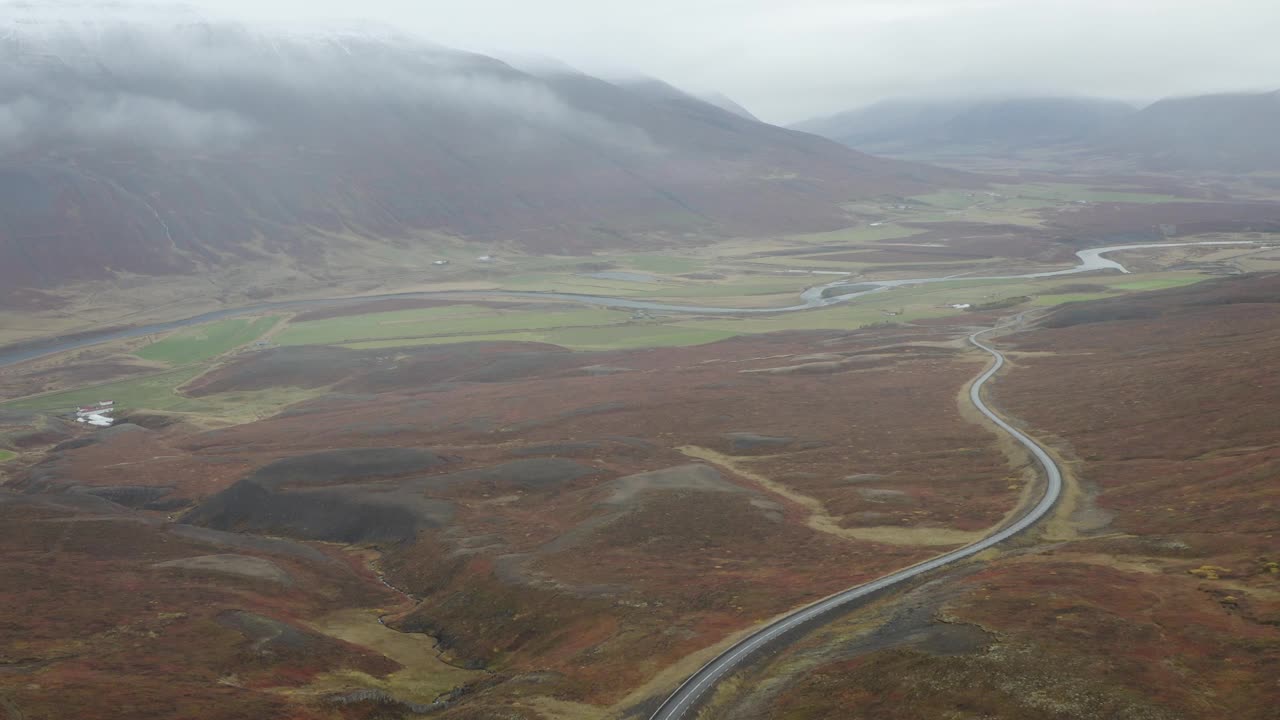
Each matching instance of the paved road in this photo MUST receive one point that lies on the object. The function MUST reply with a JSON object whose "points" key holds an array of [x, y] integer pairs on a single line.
{"points": [[686, 699]]}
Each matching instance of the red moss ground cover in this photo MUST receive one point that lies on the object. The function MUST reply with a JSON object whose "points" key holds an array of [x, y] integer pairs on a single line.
{"points": [[1167, 603], [593, 595], [92, 627]]}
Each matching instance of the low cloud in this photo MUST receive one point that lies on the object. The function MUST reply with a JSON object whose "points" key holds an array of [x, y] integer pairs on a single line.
{"points": [[118, 120], [215, 86]]}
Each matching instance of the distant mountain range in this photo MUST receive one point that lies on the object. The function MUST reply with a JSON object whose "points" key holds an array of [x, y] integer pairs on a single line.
{"points": [[169, 145], [1229, 132], [1013, 122], [1226, 132]]}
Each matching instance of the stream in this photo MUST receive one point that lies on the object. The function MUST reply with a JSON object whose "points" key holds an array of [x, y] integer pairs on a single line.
{"points": [[1090, 260]]}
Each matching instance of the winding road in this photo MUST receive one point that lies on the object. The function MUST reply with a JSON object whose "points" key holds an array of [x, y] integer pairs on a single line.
{"points": [[697, 688], [690, 695]]}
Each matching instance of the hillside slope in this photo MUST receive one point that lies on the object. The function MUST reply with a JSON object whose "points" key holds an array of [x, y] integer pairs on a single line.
{"points": [[175, 146], [1155, 592], [1228, 133], [1001, 124]]}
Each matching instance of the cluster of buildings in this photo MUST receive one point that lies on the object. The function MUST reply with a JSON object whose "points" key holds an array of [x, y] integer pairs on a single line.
{"points": [[97, 415]]}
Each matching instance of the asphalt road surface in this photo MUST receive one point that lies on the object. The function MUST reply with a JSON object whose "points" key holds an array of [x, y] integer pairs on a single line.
{"points": [[689, 696]]}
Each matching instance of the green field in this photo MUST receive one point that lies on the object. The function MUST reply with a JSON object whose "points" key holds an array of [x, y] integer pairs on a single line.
{"points": [[7, 455], [573, 282], [859, 234], [1157, 283], [453, 320], [1015, 204], [206, 342], [791, 286], [954, 199], [1066, 192], [1037, 195], [662, 264], [615, 337], [585, 328], [635, 336], [823, 261], [154, 392], [745, 276], [1047, 300], [893, 306], [836, 318], [566, 325], [158, 392], [933, 300]]}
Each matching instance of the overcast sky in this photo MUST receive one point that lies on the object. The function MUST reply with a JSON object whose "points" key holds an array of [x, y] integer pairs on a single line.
{"points": [[788, 60]]}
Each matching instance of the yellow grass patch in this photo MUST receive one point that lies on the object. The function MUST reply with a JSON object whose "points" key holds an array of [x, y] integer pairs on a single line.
{"points": [[824, 522], [423, 677]]}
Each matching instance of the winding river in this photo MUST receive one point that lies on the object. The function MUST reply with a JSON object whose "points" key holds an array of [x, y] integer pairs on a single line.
{"points": [[1090, 260]]}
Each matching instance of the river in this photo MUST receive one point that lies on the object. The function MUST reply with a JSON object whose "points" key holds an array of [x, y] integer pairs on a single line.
{"points": [[1090, 260]]}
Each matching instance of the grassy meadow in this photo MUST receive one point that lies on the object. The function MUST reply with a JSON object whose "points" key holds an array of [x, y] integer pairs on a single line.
{"points": [[449, 321], [734, 272], [205, 342]]}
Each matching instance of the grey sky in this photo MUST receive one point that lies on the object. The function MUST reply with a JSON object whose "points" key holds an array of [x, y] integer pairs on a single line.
{"points": [[788, 60]]}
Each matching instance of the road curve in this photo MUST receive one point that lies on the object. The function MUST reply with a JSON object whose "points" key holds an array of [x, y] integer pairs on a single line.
{"points": [[684, 701]]}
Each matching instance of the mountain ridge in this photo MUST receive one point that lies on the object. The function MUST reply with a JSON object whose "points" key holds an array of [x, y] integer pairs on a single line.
{"points": [[1220, 132], [138, 151]]}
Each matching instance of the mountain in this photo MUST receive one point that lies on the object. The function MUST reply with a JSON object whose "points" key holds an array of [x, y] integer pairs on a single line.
{"points": [[901, 126], [662, 91], [1219, 133], [1035, 121], [724, 102], [891, 123], [1226, 132], [172, 144]]}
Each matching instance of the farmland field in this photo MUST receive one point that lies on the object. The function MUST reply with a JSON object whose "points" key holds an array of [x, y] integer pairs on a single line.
{"points": [[155, 392], [860, 234], [1156, 283], [207, 341], [1065, 192], [453, 320], [159, 392], [614, 337], [662, 264], [587, 328], [570, 326]]}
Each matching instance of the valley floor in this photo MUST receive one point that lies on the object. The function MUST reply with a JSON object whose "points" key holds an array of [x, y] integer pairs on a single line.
{"points": [[513, 507]]}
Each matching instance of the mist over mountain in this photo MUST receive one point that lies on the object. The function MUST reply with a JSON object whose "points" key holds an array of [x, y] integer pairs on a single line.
{"points": [[1225, 132], [1233, 132], [724, 102], [165, 145], [921, 124]]}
